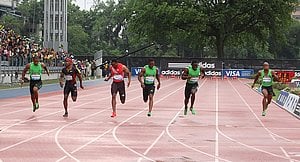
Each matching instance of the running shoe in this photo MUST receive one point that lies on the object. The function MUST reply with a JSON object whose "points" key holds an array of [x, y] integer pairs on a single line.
{"points": [[37, 105], [113, 115], [193, 111], [149, 114], [65, 115], [264, 113], [185, 111], [33, 108]]}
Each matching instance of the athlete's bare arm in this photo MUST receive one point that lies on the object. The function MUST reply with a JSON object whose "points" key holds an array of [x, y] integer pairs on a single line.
{"points": [[109, 77], [80, 80], [256, 79], [141, 74], [24, 72], [158, 79], [61, 79], [202, 75], [45, 68], [276, 78], [126, 70], [185, 75]]}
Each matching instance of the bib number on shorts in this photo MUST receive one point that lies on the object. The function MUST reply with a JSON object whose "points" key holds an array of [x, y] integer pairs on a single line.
{"points": [[118, 77], [150, 79], [69, 77], [266, 79], [194, 79], [35, 77]]}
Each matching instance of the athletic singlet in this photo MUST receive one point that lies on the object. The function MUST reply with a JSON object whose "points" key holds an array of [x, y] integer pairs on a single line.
{"points": [[117, 73], [194, 74], [150, 74], [70, 75], [35, 71], [267, 80]]}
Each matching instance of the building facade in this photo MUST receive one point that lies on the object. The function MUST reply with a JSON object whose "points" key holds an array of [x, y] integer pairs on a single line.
{"points": [[55, 25]]}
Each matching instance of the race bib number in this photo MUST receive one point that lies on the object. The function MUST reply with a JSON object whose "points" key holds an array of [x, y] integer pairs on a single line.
{"points": [[194, 79], [118, 77], [35, 77], [150, 79], [266, 79], [69, 77]]}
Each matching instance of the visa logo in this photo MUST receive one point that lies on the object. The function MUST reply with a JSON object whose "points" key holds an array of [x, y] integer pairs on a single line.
{"points": [[232, 73]]}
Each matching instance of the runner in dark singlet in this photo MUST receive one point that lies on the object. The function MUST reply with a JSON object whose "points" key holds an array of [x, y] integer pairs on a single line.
{"points": [[69, 74]]}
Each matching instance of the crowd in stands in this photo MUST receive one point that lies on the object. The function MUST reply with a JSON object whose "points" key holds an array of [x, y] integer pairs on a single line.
{"points": [[18, 50]]}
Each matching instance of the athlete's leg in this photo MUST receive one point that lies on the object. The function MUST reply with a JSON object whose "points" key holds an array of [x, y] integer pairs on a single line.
{"points": [[150, 102], [193, 97], [145, 94], [264, 101], [36, 96], [122, 92], [187, 94], [114, 90], [114, 102], [65, 102]]}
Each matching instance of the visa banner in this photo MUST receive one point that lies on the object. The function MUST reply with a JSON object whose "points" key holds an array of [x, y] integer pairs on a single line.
{"points": [[289, 102], [240, 73], [135, 71]]}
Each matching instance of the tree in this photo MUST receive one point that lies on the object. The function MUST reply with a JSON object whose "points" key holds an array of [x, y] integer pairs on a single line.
{"points": [[77, 39], [204, 20]]}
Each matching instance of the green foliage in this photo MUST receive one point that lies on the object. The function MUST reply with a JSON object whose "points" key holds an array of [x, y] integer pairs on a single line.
{"points": [[78, 40], [12, 22]]}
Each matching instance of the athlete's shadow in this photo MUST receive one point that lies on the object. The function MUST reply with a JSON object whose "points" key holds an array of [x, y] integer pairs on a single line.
{"points": [[31, 118]]}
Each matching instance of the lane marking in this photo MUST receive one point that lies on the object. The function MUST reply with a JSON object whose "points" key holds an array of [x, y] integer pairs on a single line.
{"points": [[27, 140], [49, 114], [248, 146], [185, 145], [115, 128], [81, 96], [97, 138], [217, 123], [83, 118], [152, 145], [286, 154], [289, 140]]}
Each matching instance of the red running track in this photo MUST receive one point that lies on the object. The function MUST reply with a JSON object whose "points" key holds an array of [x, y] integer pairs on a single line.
{"points": [[227, 127]]}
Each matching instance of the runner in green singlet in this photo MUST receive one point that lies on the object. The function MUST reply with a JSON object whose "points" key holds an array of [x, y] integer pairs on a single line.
{"points": [[149, 73], [192, 74], [267, 77], [35, 71]]}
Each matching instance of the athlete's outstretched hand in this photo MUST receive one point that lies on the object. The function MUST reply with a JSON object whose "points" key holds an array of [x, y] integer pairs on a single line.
{"points": [[81, 86], [252, 86], [143, 85], [158, 86], [61, 84], [128, 84], [106, 79]]}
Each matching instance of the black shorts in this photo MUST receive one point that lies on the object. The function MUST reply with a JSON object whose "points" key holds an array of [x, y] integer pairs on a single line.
{"points": [[149, 89], [269, 89], [70, 88], [118, 87], [190, 89], [35, 83]]}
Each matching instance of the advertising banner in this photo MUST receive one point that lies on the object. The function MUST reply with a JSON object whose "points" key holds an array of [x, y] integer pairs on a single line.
{"points": [[135, 71], [240, 73], [289, 102]]}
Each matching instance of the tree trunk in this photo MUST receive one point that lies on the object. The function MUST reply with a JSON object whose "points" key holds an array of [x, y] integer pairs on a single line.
{"points": [[220, 39]]}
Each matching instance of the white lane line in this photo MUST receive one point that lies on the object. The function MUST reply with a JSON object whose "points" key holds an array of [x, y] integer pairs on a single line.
{"points": [[286, 154], [152, 145], [86, 117], [185, 145], [249, 107], [76, 150], [217, 123], [27, 140], [49, 114], [115, 128], [81, 97], [245, 145], [289, 140]]}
